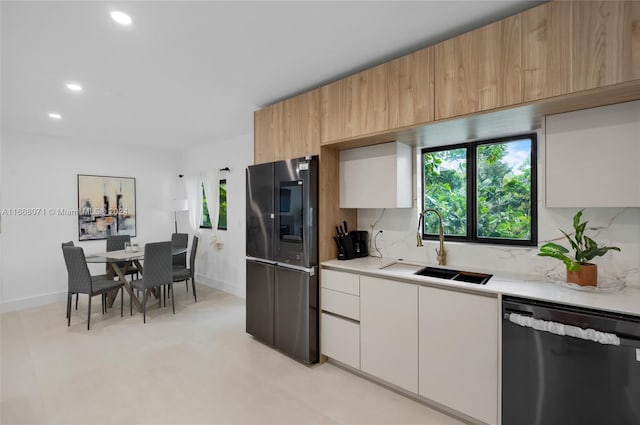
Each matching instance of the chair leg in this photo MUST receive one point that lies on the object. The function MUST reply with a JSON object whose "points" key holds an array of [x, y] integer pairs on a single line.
{"points": [[173, 299], [130, 303], [77, 295], [89, 315], [193, 286], [121, 300], [69, 296], [144, 306]]}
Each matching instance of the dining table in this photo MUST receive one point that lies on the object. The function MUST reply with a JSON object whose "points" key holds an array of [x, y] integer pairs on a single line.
{"points": [[120, 261]]}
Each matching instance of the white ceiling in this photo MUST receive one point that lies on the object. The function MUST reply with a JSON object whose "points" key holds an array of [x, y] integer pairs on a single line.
{"points": [[193, 72]]}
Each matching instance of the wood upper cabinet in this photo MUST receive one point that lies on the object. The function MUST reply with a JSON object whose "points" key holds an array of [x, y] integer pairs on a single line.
{"points": [[479, 70], [288, 129], [267, 131], [580, 45], [388, 96], [500, 60], [606, 43], [546, 50], [456, 76]]}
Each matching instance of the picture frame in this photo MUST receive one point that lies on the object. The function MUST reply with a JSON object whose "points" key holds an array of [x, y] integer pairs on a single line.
{"points": [[106, 206]]}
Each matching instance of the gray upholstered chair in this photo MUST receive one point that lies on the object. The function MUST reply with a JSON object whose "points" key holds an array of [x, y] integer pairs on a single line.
{"points": [[116, 243], [70, 243], [180, 274], [157, 272], [81, 281], [180, 240]]}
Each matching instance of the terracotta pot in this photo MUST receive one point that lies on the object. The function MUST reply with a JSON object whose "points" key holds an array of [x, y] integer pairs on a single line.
{"points": [[586, 275]]}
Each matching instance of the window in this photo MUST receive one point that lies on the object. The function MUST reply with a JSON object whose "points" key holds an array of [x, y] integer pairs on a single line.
{"points": [[485, 191], [222, 205], [206, 219], [222, 208]]}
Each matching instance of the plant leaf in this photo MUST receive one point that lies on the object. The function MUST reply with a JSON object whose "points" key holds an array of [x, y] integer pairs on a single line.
{"points": [[571, 241]]}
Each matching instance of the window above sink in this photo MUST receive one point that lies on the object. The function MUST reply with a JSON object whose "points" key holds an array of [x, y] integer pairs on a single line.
{"points": [[485, 190]]}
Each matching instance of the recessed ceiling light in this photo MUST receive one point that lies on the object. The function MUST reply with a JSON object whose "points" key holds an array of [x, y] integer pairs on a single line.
{"points": [[74, 87], [55, 116], [121, 17]]}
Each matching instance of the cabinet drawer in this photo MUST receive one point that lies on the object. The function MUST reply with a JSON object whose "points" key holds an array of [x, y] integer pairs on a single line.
{"points": [[340, 340], [340, 281], [340, 303]]}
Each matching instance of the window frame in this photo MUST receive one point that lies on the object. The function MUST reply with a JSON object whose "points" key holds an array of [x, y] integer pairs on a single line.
{"points": [[204, 196], [220, 183], [472, 194]]}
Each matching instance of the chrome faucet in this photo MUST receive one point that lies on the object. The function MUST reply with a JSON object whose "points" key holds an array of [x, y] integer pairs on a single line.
{"points": [[441, 253]]}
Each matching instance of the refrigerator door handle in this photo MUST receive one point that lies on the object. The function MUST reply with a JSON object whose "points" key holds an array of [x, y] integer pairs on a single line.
{"points": [[262, 260], [310, 270]]}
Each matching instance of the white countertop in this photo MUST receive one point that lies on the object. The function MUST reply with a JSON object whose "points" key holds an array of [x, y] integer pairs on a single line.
{"points": [[626, 301]]}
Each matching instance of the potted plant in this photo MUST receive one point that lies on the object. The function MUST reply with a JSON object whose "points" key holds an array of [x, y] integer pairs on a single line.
{"points": [[579, 270]]}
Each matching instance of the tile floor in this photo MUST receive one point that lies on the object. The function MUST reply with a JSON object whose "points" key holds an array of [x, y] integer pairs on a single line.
{"points": [[197, 367]]}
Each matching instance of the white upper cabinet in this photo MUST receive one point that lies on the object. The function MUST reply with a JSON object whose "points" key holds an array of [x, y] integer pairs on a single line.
{"points": [[593, 157], [376, 176]]}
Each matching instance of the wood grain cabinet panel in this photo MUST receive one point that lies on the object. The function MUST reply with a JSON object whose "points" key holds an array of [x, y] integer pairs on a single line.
{"points": [[456, 76], [415, 88], [546, 50], [288, 129], [268, 133], [395, 94], [302, 125], [500, 64], [479, 70], [606, 43]]}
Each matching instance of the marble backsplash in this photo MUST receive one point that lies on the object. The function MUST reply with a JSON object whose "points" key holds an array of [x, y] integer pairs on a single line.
{"points": [[611, 226]]}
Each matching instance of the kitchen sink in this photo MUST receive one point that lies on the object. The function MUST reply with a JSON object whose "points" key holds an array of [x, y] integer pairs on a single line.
{"points": [[461, 276], [402, 267]]}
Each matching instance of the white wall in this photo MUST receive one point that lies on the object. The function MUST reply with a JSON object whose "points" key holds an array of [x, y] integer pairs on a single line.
{"points": [[38, 172], [222, 268], [610, 226]]}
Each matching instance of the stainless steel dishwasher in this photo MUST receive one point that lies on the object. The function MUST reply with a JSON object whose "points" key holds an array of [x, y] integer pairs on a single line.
{"points": [[565, 365]]}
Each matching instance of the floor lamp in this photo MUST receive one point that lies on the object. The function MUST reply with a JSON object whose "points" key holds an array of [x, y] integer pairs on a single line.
{"points": [[178, 205]]}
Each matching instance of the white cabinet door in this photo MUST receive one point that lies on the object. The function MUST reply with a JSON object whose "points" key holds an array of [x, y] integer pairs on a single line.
{"points": [[459, 351], [592, 157], [348, 283], [340, 340], [376, 176], [389, 331]]}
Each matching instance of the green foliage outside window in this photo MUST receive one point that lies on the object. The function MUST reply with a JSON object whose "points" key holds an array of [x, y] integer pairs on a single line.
{"points": [[222, 208], [503, 193], [206, 220], [445, 189], [499, 174]]}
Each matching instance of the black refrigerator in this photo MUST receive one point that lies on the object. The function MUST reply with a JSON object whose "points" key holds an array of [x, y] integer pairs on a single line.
{"points": [[282, 256]]}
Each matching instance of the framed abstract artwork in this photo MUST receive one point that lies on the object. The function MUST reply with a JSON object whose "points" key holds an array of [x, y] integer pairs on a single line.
{"points": [[106, 206]]}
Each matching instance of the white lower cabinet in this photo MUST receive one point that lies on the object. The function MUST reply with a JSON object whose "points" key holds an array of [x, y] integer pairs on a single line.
{"points": [[389, 331], [340, 340], [339, 326], [458, 352]]}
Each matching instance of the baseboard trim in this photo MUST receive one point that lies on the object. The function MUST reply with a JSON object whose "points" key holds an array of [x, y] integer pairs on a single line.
{"points": [[37, 301], [218, 284], [40, 300]]}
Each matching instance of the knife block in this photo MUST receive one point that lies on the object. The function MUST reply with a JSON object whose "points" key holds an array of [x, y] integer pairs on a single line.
{"points": [[353, 245]]}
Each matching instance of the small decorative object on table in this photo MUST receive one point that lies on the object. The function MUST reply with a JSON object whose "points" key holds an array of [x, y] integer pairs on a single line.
{"points": [[579, 270]]}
